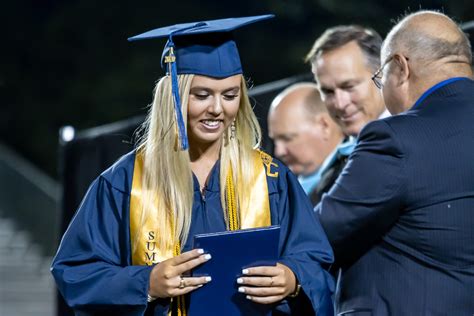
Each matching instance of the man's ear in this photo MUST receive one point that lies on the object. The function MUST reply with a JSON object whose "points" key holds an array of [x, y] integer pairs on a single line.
{"points": [[323, 120], [400, 68]]}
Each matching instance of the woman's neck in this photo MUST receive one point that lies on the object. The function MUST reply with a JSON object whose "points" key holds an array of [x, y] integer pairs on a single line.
{"points": [[203, 158]]}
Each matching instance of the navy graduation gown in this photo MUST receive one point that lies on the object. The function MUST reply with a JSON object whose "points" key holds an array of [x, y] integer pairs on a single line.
{"points": [[93, 270]]}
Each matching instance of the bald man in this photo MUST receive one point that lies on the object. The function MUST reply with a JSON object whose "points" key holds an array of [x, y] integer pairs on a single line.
{"points": [[303, 132], [400, 218]]}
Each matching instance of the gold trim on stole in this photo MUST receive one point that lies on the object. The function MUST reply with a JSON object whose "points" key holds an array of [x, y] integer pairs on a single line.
{"points": [[146, 251], [258, 212]]}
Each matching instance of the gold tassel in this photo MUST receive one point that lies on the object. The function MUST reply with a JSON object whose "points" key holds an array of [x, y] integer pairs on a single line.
{"points": [[231, 203]]}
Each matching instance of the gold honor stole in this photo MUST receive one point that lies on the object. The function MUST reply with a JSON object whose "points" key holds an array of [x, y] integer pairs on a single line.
{"points": [[257, 214]]}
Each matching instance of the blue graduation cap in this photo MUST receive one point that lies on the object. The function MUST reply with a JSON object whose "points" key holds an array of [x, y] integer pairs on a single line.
{"points": [[202, 48]]}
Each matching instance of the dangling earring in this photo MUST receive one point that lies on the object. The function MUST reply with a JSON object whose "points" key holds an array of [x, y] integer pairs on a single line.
{"points": [[232, 130]]}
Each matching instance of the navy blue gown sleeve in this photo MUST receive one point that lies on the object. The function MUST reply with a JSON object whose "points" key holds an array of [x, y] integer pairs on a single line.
{"points": [[304, 247], [366, 199], [92, 267]]}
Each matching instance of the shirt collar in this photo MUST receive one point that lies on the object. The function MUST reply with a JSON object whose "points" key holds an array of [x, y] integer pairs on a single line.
{"points": [[346, 147], [384, 114], [310, 181]]}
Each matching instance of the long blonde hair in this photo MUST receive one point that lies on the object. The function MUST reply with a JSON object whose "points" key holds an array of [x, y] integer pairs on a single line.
{"points": [[167, 181]]}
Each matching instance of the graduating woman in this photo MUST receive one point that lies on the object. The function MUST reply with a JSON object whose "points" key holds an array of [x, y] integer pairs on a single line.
{"points": [[197, 169]]}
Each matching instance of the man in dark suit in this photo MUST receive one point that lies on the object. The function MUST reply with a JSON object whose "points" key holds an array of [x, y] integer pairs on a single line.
{"points": [[400, 217], [343, 60]]}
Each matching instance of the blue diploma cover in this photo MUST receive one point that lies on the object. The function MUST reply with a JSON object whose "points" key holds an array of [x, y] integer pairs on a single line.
{"points": [[231, 252]]}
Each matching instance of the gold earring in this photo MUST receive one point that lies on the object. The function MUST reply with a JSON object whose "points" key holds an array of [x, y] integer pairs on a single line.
{"points": [[232, 130]]}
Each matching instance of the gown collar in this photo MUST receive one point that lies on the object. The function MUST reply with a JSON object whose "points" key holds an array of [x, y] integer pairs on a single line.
{"points": [[213, 180]]}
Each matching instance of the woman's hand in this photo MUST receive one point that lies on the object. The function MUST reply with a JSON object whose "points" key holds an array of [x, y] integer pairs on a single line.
{"points": [[166, 278], [267, 285]]}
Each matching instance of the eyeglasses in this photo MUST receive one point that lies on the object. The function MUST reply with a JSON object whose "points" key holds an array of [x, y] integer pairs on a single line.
{"points": [[377, 77]]}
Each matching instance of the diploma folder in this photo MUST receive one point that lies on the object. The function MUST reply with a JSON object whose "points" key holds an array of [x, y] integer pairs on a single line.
{"points": [[231, 252]]}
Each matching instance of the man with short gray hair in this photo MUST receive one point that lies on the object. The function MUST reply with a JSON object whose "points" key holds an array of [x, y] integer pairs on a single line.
{"points": [[401, 216], [343, 60]]}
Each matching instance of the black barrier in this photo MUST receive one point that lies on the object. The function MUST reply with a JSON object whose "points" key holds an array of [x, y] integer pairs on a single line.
{"points": [[85, 155], [81, 160]]}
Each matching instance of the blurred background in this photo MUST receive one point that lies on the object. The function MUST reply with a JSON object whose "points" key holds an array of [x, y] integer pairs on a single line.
{"points": [[68, 63]]}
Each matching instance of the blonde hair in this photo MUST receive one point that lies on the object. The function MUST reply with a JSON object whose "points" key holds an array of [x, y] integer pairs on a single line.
{"points": [[167, 180]]}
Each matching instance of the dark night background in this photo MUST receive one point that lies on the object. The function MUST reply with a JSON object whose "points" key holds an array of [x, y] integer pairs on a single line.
{"points": [[69, 63]]}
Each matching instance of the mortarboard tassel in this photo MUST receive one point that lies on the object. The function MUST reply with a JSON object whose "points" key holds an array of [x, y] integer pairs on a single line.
{"points": [[171, 60]]}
